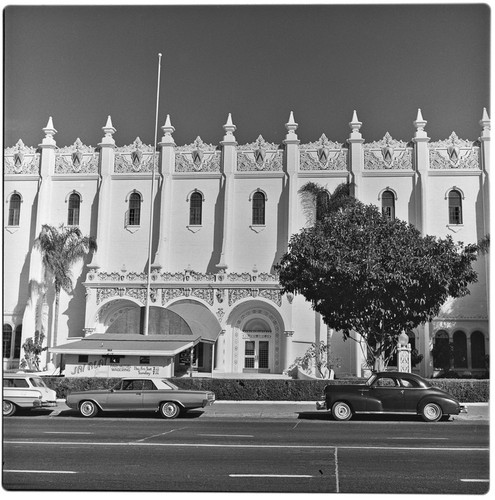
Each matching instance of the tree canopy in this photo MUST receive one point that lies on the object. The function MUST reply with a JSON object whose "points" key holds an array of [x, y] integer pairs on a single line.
{"points": [[373, 276]]}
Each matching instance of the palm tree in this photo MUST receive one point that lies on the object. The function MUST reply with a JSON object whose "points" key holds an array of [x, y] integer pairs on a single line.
{"points": [[60, 249], [317, 204]]}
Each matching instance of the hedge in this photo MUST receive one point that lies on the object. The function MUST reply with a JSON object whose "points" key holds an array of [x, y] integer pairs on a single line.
{"points": [[465, 390]]}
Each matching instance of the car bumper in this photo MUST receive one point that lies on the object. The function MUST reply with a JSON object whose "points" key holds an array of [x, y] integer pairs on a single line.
{"points": [[321, 405], [44, 404], [462, 409]]}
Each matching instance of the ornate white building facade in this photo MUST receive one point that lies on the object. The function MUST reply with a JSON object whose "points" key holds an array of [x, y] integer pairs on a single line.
{"points": [[223, 216]]}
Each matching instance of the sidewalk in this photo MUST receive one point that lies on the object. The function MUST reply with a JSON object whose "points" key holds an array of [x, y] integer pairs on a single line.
{"points": [[292, 409]]}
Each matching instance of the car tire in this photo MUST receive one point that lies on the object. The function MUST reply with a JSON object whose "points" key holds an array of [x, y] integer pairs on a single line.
{"points": [[9, 408], [169, 409], [431, 412], [88, 409], [341, 411]]}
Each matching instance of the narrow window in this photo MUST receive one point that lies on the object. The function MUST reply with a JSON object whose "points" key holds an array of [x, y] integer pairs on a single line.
{"points": [[388, 205], [17, 341], [258, 209], [195, 209], [478, 358], [134, 209], [14, 209], [73, 215], [7, 341], [460, 350], [441, 350], [455, 207]]}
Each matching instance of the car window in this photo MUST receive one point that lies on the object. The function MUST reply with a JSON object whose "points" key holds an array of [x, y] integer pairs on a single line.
{"points": [[15, 382], [148, 385], [132, 385], [37, 382], [406, 382], [385, 382]]}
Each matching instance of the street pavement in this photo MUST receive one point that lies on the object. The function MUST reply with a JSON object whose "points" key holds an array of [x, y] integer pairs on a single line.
{"points": [[286, 409]]}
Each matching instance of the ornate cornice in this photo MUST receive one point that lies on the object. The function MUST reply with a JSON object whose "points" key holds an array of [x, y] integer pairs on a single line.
{"points": [[197, 157], [259, 156], [388, 154]]}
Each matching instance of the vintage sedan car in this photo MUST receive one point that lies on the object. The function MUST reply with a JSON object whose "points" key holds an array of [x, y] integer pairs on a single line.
{"points": [[140, 394], [390, 392], [26, 391]]}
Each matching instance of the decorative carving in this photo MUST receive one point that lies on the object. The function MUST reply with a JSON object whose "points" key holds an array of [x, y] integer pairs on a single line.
{"points": [[236, 294], [21, 159], [220, 314], [197, 157], [387, 153], [259, 155], [169, 294], [205, 294], [454, 153], [137, 293], [244, 277], [76, 159], [323, 155], [134, 158]]}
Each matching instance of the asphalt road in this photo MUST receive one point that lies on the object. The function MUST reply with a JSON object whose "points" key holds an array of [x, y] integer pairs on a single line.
{"points": [[310, 453]]}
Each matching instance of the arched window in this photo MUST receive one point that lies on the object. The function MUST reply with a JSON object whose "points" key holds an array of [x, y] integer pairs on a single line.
{"points": [[73, 214], [460, 350], [455, 207], [14, 210], [258, 209], [477, 350], [7, 341], [388, 205], [134, 218], [195, 209], [441, 350], [322, 202]]}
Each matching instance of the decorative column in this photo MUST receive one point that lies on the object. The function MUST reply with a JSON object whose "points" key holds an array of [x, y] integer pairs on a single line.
{"points": [[105, 216], [36, 311], [422, 162], [167, 168], [356, 156], [292, 160], [404, 354], [229, 165], [485, 186]]}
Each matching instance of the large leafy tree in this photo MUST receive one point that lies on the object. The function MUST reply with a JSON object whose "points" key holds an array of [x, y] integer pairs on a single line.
{"points": [[374, 277], [60, 249]]}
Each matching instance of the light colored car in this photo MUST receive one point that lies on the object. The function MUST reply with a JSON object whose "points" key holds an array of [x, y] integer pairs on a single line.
{"points": [[140, 394], [26, 390]]}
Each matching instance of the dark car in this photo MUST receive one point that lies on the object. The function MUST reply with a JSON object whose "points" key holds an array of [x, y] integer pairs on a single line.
{"points": [[390, 392], [140, 394]]}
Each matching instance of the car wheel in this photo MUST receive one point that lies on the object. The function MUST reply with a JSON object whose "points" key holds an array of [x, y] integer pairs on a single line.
{"points": [[88, 409], [169, 409], [431, 412], [9, 408], [341, 411]]}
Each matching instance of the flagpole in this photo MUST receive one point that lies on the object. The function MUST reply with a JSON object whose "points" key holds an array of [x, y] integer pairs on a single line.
{"points": [[152, 203]]}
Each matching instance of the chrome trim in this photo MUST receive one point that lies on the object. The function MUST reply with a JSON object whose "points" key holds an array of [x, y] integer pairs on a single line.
{"points": [[463, 409], [321, 405], [387, 412]]}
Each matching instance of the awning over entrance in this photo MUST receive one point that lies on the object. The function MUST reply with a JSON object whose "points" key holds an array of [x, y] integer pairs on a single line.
{"points": [[123, 344], [200, 320]]}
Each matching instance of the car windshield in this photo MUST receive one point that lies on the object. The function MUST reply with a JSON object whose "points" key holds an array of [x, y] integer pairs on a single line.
{"points": [[37, 382]]}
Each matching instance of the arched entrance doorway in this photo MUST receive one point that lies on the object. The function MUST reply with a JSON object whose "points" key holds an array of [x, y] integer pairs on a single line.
{"points": [[257, 330]]}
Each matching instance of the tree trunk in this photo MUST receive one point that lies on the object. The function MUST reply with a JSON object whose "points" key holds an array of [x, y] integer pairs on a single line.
{"points": [[55, 322]]}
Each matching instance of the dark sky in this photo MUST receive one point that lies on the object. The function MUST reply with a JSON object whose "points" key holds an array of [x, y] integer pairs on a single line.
{"points": [[80, 64]]}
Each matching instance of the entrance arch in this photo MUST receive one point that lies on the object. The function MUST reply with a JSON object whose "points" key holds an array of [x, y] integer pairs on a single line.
{"points": [[257, 333]]}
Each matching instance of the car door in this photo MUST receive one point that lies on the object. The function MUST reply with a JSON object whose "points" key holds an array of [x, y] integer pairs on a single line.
{"points": [[128, 396], [385, 392], [151, 395], [413, 392]]}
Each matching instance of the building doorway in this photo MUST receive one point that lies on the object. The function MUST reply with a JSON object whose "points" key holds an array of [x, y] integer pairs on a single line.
{"points": [[257, 355]]}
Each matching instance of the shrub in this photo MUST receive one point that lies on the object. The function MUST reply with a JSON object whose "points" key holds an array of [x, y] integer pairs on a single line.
{"points": [[465, 390]]}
